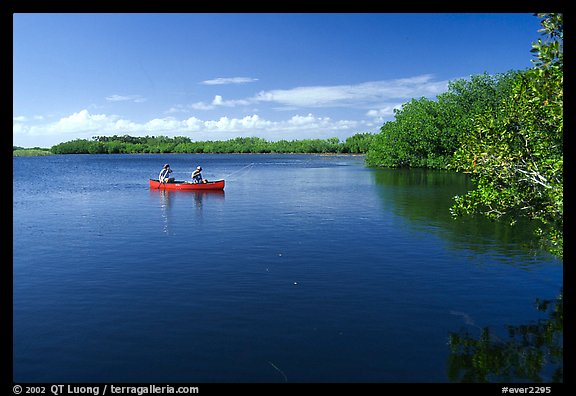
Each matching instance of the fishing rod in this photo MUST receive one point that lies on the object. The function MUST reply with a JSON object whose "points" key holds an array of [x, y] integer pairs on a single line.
{"points": [[247, 167]]}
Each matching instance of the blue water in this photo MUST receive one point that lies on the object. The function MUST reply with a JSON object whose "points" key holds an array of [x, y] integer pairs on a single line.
{"points": [[305, 269]]}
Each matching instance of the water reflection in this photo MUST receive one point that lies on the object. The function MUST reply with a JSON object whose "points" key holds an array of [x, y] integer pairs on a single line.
{"points": [[423, 198], [200, 196], [169, 198], [165, 206], [532, 352]]}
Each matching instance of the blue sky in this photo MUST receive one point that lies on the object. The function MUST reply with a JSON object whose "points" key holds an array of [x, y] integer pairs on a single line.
{"points": [[220, 76]]}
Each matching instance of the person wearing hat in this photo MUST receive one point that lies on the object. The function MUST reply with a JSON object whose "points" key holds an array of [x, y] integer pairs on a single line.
{"points": [[164, 176], [197, 176]]}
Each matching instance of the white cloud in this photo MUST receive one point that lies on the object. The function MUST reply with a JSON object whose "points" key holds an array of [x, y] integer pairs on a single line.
{"points": [[367, 95], [218, 101], [160, 125], [301, 120], [79, 125], [229, 80], [178, 109], [201, 106], [123, 125], [248, 123], [357, 95], [81, 120], [125, 98], [84, 125], [18, 129], [193, 124], [385, 111]]}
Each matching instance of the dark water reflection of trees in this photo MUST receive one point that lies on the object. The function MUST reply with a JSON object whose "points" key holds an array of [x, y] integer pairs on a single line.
{"points": [[423, 198], [532, 352]]}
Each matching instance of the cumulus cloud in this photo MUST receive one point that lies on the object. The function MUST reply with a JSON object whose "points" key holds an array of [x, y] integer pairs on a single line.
{"points": [[81, 120], [385, 111], [79, 125], [229, 80], [302, 120], [84, 125], [218, 101]]}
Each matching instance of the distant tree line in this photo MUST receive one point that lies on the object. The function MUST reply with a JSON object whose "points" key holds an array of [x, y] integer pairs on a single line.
{"points": [[125, 144], [18, 151]]}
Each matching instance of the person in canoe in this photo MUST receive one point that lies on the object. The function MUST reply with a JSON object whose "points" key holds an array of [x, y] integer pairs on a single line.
{"points": [[197, 176], [164, 176]]}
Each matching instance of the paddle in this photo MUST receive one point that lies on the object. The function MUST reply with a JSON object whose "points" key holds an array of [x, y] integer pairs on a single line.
{"points": [[160, 179]]}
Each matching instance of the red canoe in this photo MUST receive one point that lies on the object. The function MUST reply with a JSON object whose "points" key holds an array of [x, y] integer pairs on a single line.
{"points": [[185, 185]]}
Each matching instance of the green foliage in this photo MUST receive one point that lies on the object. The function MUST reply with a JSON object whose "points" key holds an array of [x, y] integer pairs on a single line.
{"points": [[426, 133], [515, 152], [357, 144], [402, 143], [77, 146], [533, 352], [31, 152]]}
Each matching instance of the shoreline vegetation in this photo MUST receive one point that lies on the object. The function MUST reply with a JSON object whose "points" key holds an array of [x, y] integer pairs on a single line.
{"points": [[30, 152], [126, 144]]}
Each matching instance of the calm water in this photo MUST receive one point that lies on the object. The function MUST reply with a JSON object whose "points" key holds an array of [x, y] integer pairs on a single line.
{"points": [[306, 269]]}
